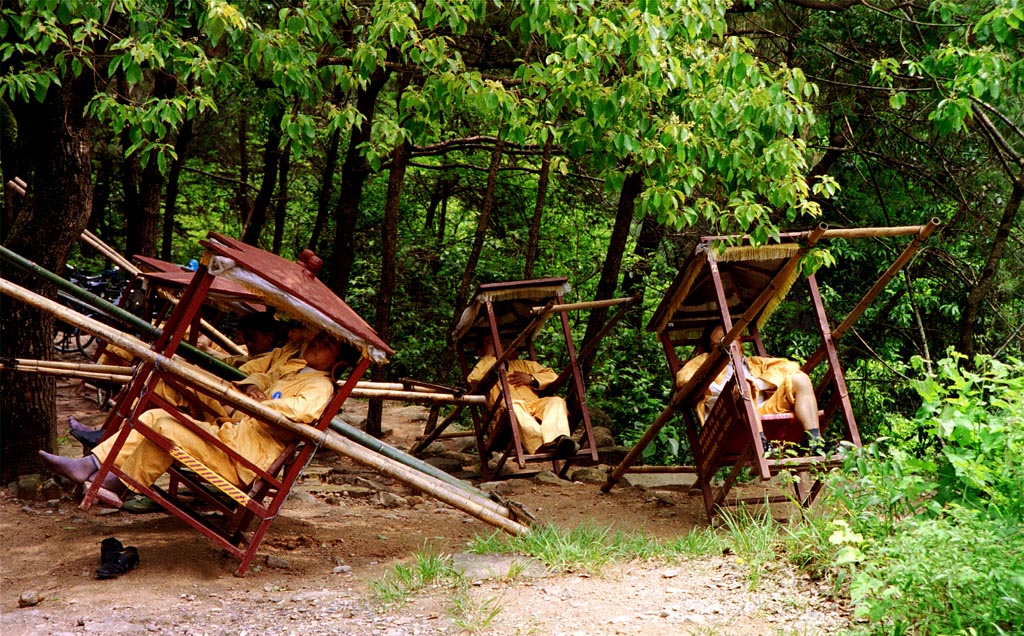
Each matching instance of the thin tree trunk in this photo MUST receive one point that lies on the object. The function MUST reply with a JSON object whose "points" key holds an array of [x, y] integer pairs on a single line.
{"points": [[56, 143], [243, 204], [388, 260], [469, 274], [538, 209], [271, 156], [326, 185], [987, 279], [354, 172], [631, 189], [634, 280], [173, 181], [282, 198]]}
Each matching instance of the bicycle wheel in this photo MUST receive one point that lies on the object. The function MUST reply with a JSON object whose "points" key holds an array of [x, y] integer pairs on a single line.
{"points": [[83, 340], [64, 337]]}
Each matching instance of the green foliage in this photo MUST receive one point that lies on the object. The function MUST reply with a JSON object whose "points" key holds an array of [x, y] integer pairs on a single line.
{"points": [[934, 544], [395, 587]]}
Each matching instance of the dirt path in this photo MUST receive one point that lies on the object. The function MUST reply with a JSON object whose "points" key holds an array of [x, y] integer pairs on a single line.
{"points": [[337, 534]]}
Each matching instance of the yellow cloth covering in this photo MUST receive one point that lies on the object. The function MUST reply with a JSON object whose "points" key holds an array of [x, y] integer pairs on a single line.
{"points": [[304, 394], [541, 419], [770, 380]]}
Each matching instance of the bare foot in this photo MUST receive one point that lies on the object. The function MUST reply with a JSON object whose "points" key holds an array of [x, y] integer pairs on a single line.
{"points": [[77, 470]]}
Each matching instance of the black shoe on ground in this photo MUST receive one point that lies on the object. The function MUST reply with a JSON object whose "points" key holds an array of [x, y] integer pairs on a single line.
{"points": [[565, 447], [119, 563]]}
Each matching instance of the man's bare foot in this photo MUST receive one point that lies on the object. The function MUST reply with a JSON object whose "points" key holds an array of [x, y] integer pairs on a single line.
{"points": [[77, 470]]}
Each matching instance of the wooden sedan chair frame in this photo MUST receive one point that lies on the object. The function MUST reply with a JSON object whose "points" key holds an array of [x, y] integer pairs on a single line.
{"points": [[293, 289], [512, 313], [739, 288]]}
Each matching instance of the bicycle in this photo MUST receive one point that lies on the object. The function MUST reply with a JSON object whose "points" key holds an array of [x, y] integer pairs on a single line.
{"points": [[108, 284]]}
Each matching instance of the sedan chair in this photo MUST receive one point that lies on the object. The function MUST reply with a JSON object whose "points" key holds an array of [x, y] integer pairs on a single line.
{"points": [[739, 287], [246, 513]]}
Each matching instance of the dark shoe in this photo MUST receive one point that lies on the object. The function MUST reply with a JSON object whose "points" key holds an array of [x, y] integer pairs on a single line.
{"points": [[815, 443], [565, 447], [767, 447], [86, 435], [108, 548], [119, 563], [140, 505]]}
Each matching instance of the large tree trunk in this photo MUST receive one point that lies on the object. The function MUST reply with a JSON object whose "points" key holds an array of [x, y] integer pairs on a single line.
{"points": [[243, 204], [538, 209], [987, 279], [354, 172], [388, 260], [271, 156], [631, 189], [171, 195], [55, 142]]}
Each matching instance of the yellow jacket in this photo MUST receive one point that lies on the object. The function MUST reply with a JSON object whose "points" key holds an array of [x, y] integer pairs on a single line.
{"points": [[541, 374]]}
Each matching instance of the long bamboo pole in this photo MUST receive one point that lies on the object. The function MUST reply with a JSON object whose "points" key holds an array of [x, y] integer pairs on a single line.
{"points": [[117, 378], [412, 396], [482, 508], [589, 304], [205, 360]]}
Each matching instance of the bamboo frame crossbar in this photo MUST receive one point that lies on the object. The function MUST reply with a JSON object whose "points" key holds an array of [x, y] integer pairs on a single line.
{"points": [[477, 506], [588, 304]]}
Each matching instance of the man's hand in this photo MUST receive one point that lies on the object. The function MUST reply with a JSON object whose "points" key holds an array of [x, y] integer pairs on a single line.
{"points": [[520, 378], [255, 393]]}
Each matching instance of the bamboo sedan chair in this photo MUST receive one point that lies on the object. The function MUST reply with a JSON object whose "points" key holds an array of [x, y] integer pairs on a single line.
{"points": [[293, 289], [512, 314], [739, 288]]}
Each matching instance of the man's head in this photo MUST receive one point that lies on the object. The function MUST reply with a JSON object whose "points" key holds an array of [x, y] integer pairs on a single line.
{"points": [[325, 351], [258, 332], [711, 336]]}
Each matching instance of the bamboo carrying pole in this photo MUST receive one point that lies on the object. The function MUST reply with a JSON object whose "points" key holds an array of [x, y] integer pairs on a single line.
{"points": [[223, 370], [484, 509]]}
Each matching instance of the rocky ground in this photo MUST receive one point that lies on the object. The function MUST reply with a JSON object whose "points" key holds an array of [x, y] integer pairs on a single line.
{"points": [[346, 527]]}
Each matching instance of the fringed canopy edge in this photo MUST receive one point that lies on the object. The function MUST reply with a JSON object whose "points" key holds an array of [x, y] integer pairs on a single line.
{"points": [[296, 308]]}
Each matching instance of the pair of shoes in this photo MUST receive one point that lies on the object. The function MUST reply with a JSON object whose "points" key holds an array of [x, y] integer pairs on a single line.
{"points": [[116, 559], [140, 504], [565, 447], [107, 496], [87, 436]]}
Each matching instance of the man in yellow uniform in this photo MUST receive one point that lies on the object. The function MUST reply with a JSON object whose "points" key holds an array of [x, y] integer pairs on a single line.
{"points": [[299, 389], [778, 385], [543, 421]]}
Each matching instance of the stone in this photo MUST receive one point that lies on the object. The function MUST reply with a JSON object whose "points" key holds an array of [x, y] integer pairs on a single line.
{"points": [[446, 464], [50, 490], [668, 481], [589, 475], [547, 477], [342, 569], [603, 437], [498, 566], [599, 418], [391, 500], [29, 487], [277, 562], [30, 598]]}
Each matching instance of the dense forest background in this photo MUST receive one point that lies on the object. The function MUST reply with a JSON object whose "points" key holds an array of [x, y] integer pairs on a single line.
{"points": [[423, 147]]}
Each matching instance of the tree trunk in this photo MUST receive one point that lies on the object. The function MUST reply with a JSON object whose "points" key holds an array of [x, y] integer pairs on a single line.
{"points": [[987, 279], [326, 185], [171, 195], [280, 210], [633, 281], [243, 204], [388, 259], [469, 274], [354, 172], [271, 156], [631, 189], [55, 143], [538, 209]]}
